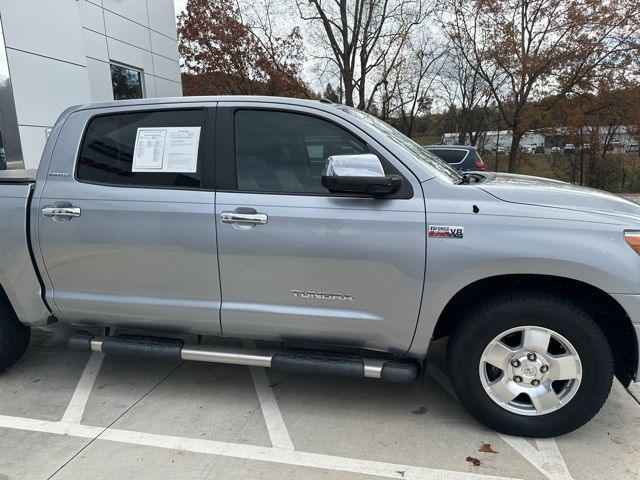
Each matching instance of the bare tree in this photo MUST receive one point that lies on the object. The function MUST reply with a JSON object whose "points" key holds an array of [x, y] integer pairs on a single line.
{"points": [[407, 89], [466, 95], [360, 36], [281, 41], [594, 124], [525, 49]]}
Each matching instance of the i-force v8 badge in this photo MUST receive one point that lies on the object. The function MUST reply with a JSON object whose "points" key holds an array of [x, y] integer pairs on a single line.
{"points": [[445, 231]]}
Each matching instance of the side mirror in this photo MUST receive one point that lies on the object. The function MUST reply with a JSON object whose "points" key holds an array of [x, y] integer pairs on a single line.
{"points": [[362, 173]]}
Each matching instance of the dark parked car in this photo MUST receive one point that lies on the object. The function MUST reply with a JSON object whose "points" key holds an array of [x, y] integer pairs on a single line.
{"points": [[462, 157], [3, 159]]}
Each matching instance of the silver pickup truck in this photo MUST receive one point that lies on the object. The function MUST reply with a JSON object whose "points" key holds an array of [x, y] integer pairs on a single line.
{"points": [[305, 223]]}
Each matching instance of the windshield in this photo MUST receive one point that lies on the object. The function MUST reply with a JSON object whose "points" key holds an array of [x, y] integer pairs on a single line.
{"points": [[435, 165]]}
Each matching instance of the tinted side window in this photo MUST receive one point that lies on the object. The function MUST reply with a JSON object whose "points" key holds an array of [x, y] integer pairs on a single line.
{"points": [[106, 155], [449, 156], [286, 152]]}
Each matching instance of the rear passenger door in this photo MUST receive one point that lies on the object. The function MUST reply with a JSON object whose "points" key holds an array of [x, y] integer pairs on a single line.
{"points": [[141, 251], [306, 264]]}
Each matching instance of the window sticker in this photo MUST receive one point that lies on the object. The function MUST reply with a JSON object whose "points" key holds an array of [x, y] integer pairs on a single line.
{"points": [[170, 149]]}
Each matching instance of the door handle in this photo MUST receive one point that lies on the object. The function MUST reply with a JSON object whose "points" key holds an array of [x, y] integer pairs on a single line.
{"points": [[250, 218], [61, 212]]}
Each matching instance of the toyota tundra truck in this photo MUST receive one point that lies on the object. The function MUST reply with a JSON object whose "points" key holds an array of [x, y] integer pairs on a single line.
{"points": [[305, 223]]}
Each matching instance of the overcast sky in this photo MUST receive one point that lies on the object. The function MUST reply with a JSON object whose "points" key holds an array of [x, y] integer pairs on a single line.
{"points": [[179, 5]]}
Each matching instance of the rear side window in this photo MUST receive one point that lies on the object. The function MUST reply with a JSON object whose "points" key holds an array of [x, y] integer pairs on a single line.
{"points": [[449, 156], [106, 155]]}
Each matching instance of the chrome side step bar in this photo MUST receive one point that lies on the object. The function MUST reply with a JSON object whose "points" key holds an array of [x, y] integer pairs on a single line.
{"points": [[288, 360]]}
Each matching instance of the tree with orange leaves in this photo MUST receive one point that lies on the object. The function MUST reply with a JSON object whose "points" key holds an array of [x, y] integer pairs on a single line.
{"points": [[222, 55], [528, 49]]}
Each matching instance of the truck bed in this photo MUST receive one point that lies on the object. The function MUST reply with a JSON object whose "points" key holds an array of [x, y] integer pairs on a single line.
{"points": [[17, 176]]}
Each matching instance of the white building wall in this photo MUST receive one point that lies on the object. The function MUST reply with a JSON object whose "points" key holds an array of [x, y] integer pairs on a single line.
{"points": [[59, 54]]}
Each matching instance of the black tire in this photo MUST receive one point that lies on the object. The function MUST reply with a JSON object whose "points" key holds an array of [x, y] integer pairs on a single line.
{"points": [[487, 320], [14, 336]]}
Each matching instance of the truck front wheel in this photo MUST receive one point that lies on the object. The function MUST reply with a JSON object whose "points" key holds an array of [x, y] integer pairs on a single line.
{"points": [[530, 364], [14, 336]]}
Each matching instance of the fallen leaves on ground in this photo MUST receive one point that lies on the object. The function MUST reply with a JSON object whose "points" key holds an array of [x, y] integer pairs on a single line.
{"points": [[475, 461], [486, 448]]}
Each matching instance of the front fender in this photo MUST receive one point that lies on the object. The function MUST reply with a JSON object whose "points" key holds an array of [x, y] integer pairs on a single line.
{"points": [[492, 245]]}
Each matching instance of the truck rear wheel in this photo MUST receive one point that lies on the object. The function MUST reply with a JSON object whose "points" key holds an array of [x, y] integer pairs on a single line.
{"points": [[14, 336], [530, 364]]}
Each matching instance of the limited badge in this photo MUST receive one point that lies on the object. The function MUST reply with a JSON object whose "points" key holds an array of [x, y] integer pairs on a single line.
{"points": [[446, 231]]}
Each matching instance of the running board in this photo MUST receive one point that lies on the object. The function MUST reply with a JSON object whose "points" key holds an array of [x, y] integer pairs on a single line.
{"points": [[286, 360]]}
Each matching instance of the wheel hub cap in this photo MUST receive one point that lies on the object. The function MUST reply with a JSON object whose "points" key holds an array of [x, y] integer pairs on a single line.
{"points": [[527, 369], [530, 370]]}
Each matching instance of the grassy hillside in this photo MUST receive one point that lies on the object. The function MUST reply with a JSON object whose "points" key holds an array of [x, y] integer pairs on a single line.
{"points": [[618, 173]]}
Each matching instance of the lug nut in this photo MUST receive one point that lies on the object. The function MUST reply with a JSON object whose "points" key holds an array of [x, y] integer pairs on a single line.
{"points": [[531, 357], [515, 363], [535, 383], [544, 368], [517, 379]]}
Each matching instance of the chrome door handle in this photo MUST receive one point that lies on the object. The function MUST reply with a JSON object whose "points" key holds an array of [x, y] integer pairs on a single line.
{"points": [[253, 218], [61, 212]]}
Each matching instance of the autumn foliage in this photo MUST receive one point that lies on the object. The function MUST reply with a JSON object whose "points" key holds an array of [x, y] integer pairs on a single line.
{"points": [[221, 55], [529, 49], [569, 68]]}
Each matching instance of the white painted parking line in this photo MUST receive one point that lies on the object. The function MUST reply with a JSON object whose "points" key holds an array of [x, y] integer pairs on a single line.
{"points": [[246, 452], [549, 449], [78, 402], [275, 424], [58, 428], [546, 458], [278, 432]]}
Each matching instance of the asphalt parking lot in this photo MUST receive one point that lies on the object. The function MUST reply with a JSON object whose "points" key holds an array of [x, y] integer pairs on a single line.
{"points": [[70, 415]]}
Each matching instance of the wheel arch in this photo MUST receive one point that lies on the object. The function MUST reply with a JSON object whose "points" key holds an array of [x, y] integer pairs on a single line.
{"points": [[610, 316]]}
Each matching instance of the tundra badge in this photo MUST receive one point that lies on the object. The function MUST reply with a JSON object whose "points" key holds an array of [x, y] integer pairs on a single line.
{"points": [[322, 295]]}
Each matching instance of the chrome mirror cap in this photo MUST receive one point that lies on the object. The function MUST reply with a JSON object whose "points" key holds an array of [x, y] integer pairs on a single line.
{"points": [[360, 165], [360, 174]]}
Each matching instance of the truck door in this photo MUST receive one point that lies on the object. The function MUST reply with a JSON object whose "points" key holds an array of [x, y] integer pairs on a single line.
{"points": [[297, 262], [126, 223]]}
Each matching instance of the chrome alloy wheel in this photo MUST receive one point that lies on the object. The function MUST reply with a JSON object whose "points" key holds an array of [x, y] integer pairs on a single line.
{"points": [[530, 370]]}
